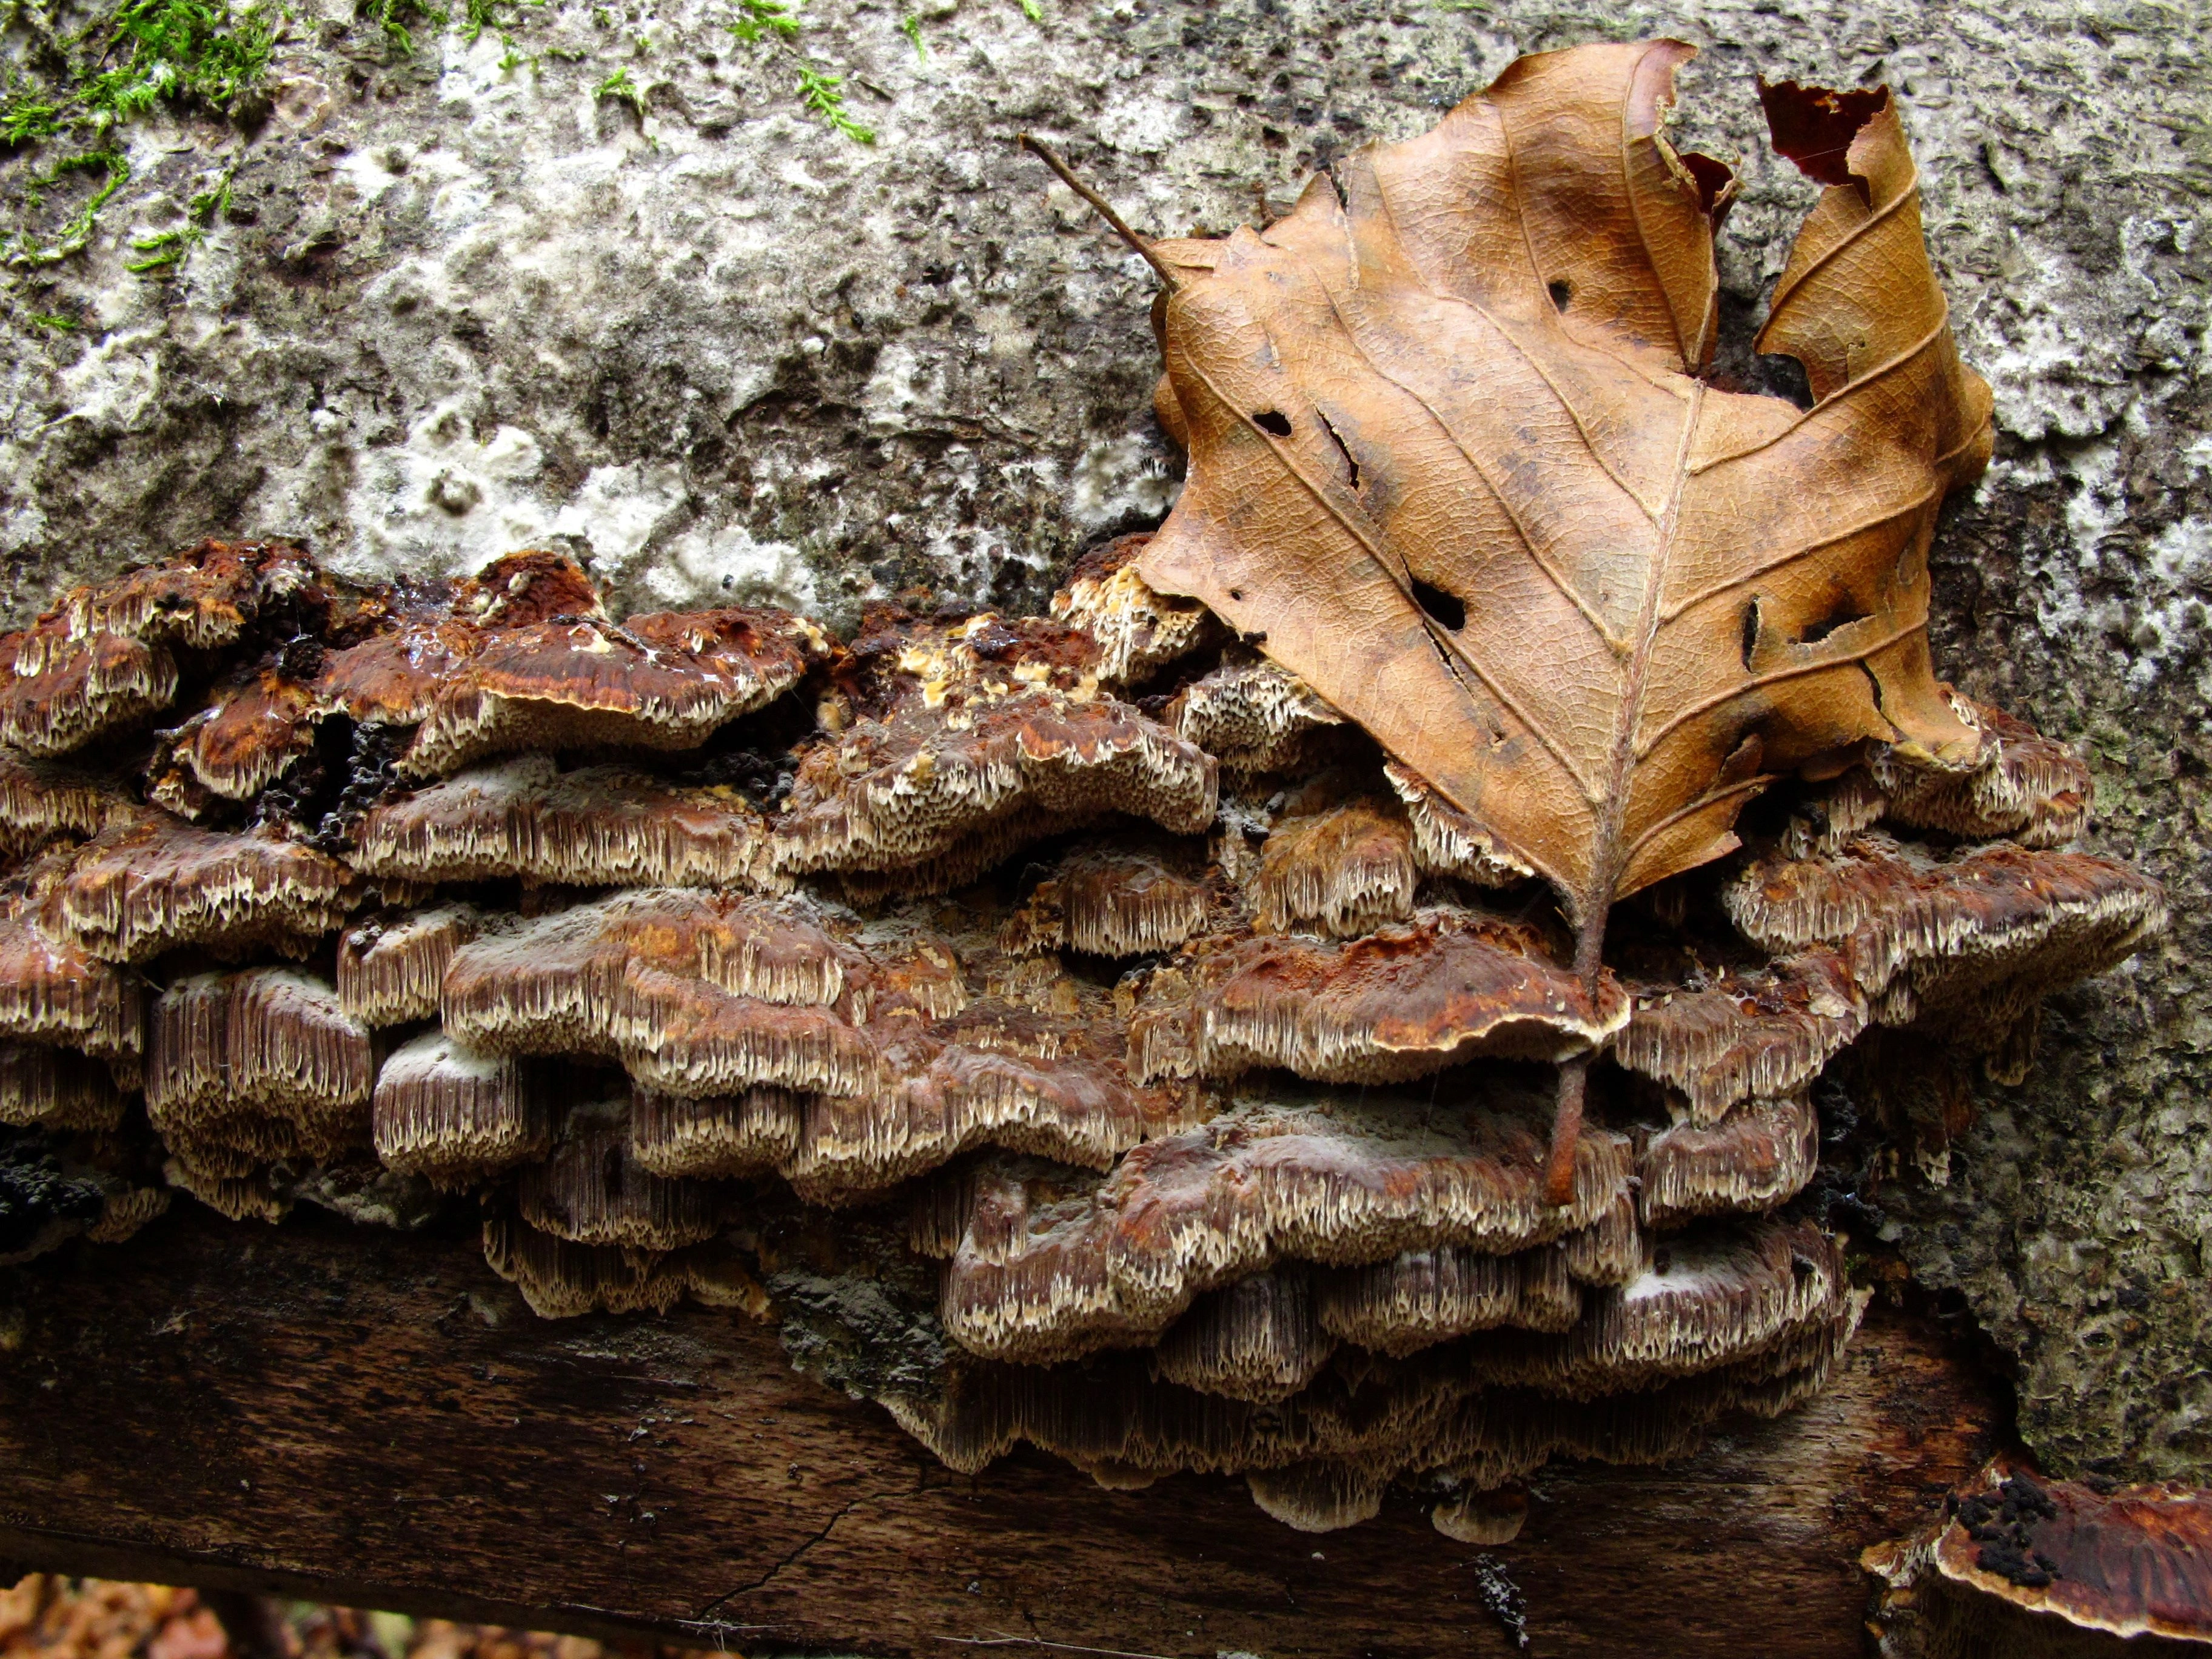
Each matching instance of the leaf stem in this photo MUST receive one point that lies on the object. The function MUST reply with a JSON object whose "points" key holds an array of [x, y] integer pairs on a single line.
{"points": [[1566, 1131], [1104, 209]]}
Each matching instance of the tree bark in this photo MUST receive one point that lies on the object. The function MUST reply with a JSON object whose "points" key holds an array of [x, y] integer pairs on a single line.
{"points": [[376, 1419]]}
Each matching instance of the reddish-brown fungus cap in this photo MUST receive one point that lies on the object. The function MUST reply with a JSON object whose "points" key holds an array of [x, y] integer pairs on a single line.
{"points": [[391, 966], [41, 802], [251, 730], [53, 990], [664, 681], [1109, 901], [1256, 1339], [2135, 1561], [56, 1088], [1760, 1154], [264, 1060], [1341, 870], [1253, 716], [99, 661], [2026, 786], [453, 1113], [899, 792], [1922, 928], [1400, 1003], [1059, 1270], [592, 1190]]}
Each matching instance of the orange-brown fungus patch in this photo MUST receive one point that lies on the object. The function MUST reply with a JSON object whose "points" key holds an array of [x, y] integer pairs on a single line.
{"points": [[1139, 632], [965, 743], [101, 660], [1341, 869]]}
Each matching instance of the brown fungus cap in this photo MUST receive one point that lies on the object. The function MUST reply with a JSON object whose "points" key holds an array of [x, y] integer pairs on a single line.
{"points": [[711, 996], [1612, 1250], [592, 1190], [454, 1115], [1343, 868], [1446, 841], [1047, 1268], [1720, 1295], [559, 1279], [1257, 1340], [742, 1134], [2131, 1562], [1254, 717], [391, 965], [1719, 1036], [601, 826], [1402, 1002], [1139, 632], [1761, 1154], [1109, 901], [1419, 1298], [1110, 1416], [1473, 1516], [101, 661], [252, 730], [152, 882], [264, 1062], [56, 1088], [2026, 788], [55, 992], [570, 679], [1981, 932], [992, 758], [41, 802]]}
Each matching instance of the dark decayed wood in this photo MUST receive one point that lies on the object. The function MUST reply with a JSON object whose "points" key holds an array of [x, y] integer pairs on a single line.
{"points": [[374, 1419]]}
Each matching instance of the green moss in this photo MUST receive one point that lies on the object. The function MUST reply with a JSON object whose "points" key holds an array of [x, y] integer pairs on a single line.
{"points": [[183, 51], [202, 54], [620, 86], [776, 25]]}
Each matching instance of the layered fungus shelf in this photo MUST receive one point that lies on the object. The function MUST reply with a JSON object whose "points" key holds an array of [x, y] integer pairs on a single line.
{"points": [[1112, 989]]}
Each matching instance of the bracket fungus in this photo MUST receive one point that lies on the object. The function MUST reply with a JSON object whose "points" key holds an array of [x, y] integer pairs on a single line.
{"points": [[2018, 1564], [1318, 1000]]}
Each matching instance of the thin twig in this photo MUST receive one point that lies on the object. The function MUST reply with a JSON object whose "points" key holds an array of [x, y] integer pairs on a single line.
{"points": [[1104, 209]]}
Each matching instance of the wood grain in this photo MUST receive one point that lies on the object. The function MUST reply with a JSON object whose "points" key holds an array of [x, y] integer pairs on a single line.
{"points": [[374, 1419]]}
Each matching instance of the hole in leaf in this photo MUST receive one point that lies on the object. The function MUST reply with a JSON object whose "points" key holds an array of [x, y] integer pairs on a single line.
{"points": [[1236, 592], [1561, 291], [1275, 421], [1442, 607], [1351, 465], [1842, 614], [1750, 632]]}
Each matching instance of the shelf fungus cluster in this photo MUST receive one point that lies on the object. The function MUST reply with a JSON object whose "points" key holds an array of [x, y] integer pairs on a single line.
{"points": [[1201, 1054]]}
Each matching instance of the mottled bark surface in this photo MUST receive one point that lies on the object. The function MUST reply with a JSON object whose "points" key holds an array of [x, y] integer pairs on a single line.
{"points": [[456, 307]]}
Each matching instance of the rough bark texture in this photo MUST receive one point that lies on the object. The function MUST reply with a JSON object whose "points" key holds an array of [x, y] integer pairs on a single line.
{"points": [[393, 1428], [722, 349]]}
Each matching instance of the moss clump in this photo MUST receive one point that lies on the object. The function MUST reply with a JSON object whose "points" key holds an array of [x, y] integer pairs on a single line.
{"points": [[206, 55]]}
